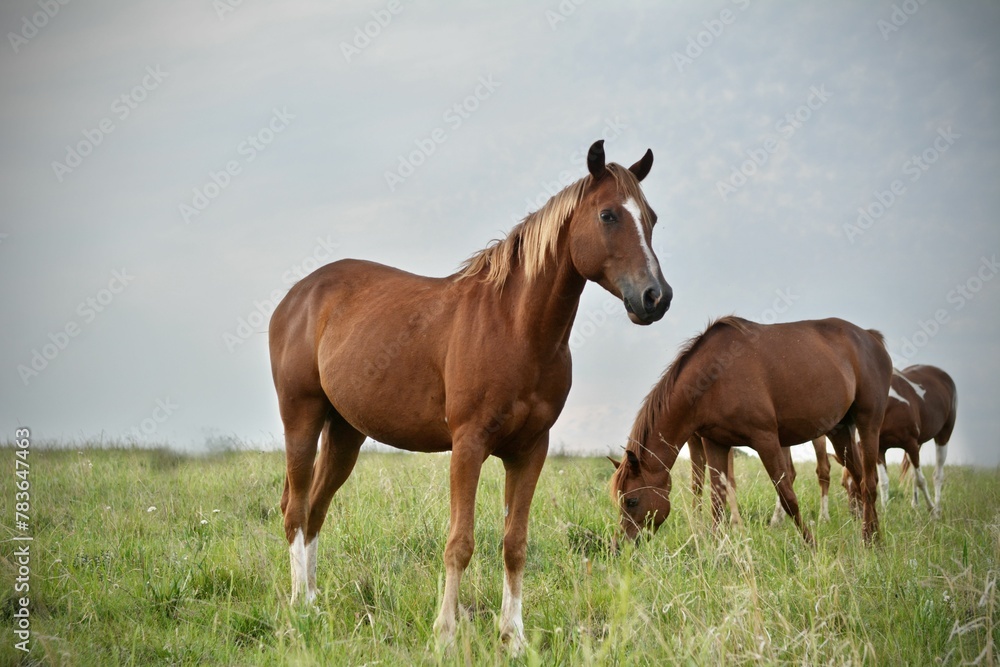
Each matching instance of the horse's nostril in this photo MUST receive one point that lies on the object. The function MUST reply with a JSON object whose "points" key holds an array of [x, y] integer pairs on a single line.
{"points": [[650, 298]]}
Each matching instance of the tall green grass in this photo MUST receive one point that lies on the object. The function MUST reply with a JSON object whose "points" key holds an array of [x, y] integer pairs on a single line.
{"points": [[204, 577]]}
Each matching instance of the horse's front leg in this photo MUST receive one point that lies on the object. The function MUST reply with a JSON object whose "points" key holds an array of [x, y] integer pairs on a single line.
{"points": [[717, 457], [467, 459], [523, 470]]}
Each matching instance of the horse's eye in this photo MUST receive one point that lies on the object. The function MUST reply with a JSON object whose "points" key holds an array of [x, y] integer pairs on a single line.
{"points": [[631, 503], [608, 216]]}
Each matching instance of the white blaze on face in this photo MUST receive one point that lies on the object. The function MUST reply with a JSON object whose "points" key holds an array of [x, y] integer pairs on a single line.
{"points": [[633, 210]]}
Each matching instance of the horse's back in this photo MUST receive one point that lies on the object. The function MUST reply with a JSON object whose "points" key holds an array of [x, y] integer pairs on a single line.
{"points": [[798, 374], [939, 403]]}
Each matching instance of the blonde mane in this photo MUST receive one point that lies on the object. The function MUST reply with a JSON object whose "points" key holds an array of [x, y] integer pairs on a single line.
{"points": [[656, 400], [532, 242]]}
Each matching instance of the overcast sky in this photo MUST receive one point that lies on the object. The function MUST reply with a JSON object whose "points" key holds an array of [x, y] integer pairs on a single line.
{"points": [[168, 169]]}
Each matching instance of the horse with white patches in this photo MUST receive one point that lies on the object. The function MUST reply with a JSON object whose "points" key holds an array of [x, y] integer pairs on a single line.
{"points": [[922, 406], [477, 363]]}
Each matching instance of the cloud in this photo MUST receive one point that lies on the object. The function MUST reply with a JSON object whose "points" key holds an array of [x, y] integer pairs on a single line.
{"points": [[783, 228]]}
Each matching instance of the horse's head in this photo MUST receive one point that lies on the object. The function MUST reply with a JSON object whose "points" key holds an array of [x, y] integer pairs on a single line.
{"points": [[610, 237], [641, 492]]}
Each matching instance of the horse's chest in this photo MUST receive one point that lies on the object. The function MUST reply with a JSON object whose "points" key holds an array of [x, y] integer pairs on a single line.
{"points": [[523, 401]]}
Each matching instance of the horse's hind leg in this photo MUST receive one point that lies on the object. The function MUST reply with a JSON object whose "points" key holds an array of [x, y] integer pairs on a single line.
{"points": [[773, 458], [868, 448], [941, 440], [842, 438], [303, 419], [883, 479], [338, 453], [912, 449], [823, 475]]}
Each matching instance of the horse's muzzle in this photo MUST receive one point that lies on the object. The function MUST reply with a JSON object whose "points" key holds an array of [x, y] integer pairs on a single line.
{"points": [[648, 304]]}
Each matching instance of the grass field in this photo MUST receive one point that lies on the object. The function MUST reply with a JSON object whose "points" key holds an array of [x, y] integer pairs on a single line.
{"points": [[204, 577]]}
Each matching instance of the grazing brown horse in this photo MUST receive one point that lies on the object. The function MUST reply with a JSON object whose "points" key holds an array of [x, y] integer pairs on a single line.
{"points": [[922, 406], [764, 386], [477, 363]]}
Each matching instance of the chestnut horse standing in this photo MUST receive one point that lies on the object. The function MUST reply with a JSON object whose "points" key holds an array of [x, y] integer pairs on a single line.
{"points": [[764, 386], [477, 363]]}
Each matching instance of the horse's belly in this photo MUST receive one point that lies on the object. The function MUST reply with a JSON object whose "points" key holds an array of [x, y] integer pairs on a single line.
{"points": [[399, 404]]}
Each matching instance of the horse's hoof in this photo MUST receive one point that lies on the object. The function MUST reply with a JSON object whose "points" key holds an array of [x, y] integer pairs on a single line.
{"points": [[444, 632], [514, 643]]}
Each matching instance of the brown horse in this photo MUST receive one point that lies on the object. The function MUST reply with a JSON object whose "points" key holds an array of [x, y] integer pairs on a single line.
{"points": [[477, 363], [765, 386], [922, 406]]}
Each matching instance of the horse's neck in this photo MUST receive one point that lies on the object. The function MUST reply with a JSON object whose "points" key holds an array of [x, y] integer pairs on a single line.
{"points": [[672, 427], [660, 451], [544, 308]]}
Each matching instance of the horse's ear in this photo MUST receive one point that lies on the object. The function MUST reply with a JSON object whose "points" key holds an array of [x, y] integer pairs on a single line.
{"points": [[614, 463], [633, 461], [641, 168], [595, 159]]}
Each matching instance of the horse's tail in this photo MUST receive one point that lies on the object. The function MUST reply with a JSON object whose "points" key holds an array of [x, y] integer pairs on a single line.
{"points": [[877, 335], [904, 469], [944, 435]]}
